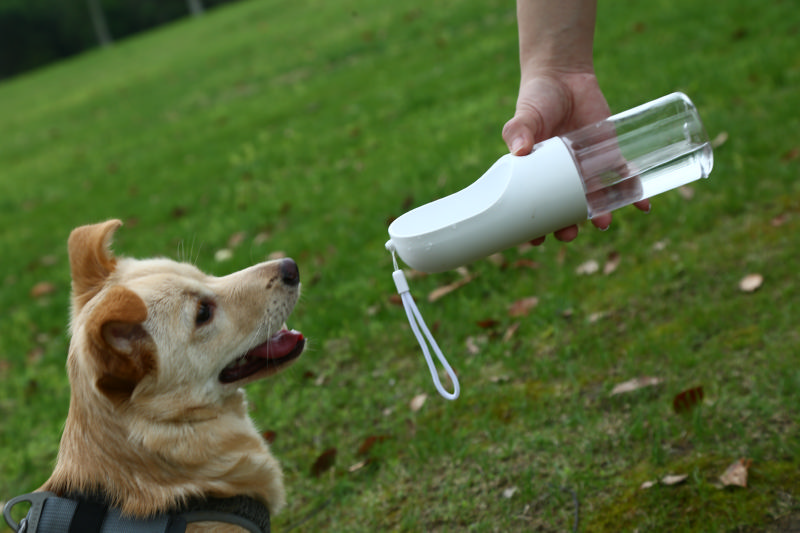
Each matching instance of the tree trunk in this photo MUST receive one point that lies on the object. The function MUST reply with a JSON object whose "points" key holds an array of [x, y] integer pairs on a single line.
{"points": [[99, 22], [195, 7]]}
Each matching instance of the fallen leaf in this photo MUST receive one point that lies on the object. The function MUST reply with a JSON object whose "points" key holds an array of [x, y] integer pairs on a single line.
{"points": [[276, 255], [444, 290], [561, 256], [509, 492], [526, 263], [647, 484], [359, 465], [487, 323], [43, 288], [658, 246], [635, 384], [791, 155], [472, 346], [522, 307], [612, 263], [222, 255], [35, 355], [751, 282], [688, 399], [686, 192], [417, 402], [324, 462], [269, 436], [369, 442], [261, 238], [596, 316], [736, 473], [779, 220], [720, 139], [589, 267], [236, 239], [510, 332], [498, 260], [673, 479]]}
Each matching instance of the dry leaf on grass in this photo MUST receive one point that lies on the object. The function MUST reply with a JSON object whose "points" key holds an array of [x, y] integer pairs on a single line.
{"points": [[751, 282], [736, 473], [222, 255], [688, 399], [43, 288], [674, 479], [614, 259], [472, 346], [417, 402], [791, 155], [720, 139], [236, 239], [779, 220], [437, 293], [635, 384], [522, 307], [324, 462], [510, 332], [509, 492], [526, 263], [668, 481], [359, 465], [369, 442], [589, 267]]}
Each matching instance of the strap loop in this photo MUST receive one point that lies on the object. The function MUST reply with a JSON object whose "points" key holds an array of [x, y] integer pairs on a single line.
{"points": [[417, 323]]}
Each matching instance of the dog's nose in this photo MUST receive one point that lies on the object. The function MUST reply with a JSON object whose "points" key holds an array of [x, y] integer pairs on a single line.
{"points": [[290, 274]]}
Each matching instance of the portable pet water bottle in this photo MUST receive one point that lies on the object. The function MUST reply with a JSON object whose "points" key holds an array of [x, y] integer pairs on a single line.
{"points": [[625, 158], [594, 170]]}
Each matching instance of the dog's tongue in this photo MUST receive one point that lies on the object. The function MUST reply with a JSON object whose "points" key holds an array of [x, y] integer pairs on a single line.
{"points": [[279, 345]]}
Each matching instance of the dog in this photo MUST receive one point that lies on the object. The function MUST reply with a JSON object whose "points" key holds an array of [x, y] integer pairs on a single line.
{"points": [[158, 354]]}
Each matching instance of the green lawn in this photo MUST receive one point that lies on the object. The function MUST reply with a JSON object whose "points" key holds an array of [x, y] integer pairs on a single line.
{"points": [[304, 127]]}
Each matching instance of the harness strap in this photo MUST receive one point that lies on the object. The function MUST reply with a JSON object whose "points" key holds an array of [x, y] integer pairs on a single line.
{"points": [[50, 513]]}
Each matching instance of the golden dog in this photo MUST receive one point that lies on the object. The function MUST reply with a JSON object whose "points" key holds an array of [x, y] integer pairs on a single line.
{"points": [[158, 354]]}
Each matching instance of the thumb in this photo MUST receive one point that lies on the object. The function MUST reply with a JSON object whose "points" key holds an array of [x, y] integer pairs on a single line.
{"points": [[519, 133]]}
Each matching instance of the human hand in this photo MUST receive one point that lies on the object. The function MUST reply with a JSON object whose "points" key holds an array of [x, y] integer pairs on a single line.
{"points": [[553, 103]]}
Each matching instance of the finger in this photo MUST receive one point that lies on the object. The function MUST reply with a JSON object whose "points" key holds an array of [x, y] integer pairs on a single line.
{"points": [[566, 234], [643, 205], [518, 136], [602, 222]]}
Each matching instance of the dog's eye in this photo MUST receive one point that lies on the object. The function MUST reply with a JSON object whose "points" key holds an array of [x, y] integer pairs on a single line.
{"points": [[205, 312]]}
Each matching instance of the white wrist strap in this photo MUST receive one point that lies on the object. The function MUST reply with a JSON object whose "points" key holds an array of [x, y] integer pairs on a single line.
{"points": [[416, 322]]}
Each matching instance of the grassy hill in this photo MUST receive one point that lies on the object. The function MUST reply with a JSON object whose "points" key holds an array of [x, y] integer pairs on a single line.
{"points": [[303, 127]]}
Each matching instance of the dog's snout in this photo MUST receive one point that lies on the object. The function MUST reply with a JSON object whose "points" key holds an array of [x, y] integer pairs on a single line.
{"points": [[290, 274]]}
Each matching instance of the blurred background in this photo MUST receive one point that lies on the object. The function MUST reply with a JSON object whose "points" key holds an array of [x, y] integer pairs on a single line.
{"points": [[34, 33]]}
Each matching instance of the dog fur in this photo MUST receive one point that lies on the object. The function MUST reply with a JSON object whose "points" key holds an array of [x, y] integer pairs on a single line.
{"points": [[151, 422]]}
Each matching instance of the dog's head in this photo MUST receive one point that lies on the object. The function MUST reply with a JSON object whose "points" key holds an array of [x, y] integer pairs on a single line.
{"points": [[164, 333]]}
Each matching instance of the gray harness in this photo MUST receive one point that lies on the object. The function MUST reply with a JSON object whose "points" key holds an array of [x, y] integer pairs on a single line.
{"points": [[50, 513]]}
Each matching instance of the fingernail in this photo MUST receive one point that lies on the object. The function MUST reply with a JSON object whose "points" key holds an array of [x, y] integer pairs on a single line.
{"points": [[517, 145], [605, 228]]}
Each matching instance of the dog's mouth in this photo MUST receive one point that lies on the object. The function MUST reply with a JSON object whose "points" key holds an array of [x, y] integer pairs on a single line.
{"points": [[281, 348]]}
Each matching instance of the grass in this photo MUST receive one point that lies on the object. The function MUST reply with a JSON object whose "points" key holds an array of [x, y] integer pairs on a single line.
{"points": [[313, 124]]}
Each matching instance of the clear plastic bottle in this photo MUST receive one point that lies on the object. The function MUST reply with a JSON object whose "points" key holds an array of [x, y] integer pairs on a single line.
{"points": [[640, 153]]}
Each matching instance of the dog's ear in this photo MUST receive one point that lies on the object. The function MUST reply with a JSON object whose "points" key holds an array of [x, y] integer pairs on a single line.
{"points": [[90, 259], [123, 352]]}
